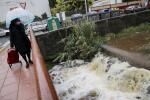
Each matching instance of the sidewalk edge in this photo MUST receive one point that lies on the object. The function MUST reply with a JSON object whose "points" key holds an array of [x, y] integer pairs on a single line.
{"points": [[4, 46]]}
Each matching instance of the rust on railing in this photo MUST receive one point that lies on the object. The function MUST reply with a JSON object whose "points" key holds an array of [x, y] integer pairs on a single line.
{"points": [[45, 88]]}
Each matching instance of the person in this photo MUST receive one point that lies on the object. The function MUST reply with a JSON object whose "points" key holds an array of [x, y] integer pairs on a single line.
{"points": [[20, 40]]}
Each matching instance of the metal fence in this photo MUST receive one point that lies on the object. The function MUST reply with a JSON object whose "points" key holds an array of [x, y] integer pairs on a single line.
{"points": [[100, 16], [116, 24]]}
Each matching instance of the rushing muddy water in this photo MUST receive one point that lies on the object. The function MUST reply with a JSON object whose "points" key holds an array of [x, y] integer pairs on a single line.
{"points": [[104, 78]]}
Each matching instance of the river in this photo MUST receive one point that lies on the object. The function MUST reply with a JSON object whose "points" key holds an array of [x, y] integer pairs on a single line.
{"points": [[104, 78]]}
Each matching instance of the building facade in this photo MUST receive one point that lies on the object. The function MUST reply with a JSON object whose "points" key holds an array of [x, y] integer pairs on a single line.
{"points": [[37, 7], [105, 2]]}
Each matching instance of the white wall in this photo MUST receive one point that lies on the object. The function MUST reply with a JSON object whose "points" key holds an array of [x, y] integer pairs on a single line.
{"points": [[37, 7]]}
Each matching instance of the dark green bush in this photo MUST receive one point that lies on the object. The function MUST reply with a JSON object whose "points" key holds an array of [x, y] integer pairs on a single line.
{"points": [[82, 43]]}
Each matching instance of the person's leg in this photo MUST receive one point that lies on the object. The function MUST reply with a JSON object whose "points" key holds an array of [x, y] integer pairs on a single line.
{"points": [[25, 59], [29, 57]]}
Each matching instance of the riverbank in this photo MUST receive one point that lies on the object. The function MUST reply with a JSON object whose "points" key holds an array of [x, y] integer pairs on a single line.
{"points": [[107, 77], [136, 39]]}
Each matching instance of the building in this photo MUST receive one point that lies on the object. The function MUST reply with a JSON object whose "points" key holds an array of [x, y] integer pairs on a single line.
{"points": [[119, 4], [105, 2], [37, 7]]}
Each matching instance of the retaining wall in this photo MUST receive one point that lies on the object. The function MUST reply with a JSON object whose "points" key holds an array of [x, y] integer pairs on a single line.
{"points": [[116, 24], [49, 41]]}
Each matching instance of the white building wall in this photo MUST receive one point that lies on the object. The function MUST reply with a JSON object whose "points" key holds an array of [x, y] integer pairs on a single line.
{"points": [[37, 7]]}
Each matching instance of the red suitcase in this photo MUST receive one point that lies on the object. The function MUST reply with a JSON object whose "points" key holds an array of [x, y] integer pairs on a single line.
{"points": [[13, 57]]}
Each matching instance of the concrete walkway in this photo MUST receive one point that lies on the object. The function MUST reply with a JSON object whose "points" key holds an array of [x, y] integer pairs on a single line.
{"points": [[17, 83]]}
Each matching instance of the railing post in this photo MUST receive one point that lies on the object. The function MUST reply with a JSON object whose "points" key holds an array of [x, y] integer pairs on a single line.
{"points": [[45, 88]]}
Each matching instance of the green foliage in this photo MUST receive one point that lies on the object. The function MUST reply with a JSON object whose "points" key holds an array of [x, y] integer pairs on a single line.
{"points": [[135, 30], [82, 43], [2, 25], [52, 3], [69, 5], [129, 32], [77, 4], [58, 7], [49, 65]]}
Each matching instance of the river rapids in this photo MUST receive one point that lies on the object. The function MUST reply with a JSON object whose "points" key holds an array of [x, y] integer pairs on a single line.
{"points": [[104, 78]]}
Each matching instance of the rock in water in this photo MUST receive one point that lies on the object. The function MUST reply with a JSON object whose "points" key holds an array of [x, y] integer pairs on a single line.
{"points": [[148, 90]]}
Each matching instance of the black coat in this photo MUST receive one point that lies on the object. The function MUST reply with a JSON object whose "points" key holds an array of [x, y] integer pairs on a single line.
{"points": [[19, 39]]}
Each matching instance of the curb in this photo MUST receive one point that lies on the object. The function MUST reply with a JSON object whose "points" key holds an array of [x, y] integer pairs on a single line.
{"points": [[4, 46]]}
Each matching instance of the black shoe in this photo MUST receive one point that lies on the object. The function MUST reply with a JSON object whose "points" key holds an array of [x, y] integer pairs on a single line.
{"points": [[27, 65], [30, 61]]}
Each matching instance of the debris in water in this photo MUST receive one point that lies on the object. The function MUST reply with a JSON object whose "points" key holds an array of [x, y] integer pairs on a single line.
{"points": [[138, 97], [148, 90]]}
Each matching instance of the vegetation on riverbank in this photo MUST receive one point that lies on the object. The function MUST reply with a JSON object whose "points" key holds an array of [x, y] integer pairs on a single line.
{"points": [[134, 39], [143, 28], [84, 43]]}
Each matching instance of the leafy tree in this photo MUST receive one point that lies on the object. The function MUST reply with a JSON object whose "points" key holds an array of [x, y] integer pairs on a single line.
{"points": [[70, 5], [52, 3], [58, 7], [77, 4]]}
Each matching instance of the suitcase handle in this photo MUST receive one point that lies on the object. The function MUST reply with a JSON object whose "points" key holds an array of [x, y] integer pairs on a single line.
{"points": [[11, 49]]}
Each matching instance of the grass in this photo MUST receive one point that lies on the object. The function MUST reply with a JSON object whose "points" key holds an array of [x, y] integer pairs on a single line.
{"points": [[133, 39], [143, 28], [50, 64], [129, 32]]}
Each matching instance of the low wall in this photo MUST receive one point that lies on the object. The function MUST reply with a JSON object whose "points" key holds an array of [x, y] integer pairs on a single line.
{"points": [[116, 24], [49, 41]]}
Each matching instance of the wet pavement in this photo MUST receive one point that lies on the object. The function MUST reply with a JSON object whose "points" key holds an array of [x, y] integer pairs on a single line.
{"points": [[3, 40], [17, 83]]}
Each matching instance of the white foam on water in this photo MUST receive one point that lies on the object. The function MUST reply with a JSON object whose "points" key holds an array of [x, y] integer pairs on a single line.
{"points": [[104, 78]]}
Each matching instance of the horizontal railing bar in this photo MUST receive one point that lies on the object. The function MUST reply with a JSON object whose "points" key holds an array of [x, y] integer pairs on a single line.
{"points": [[45, 88]]}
